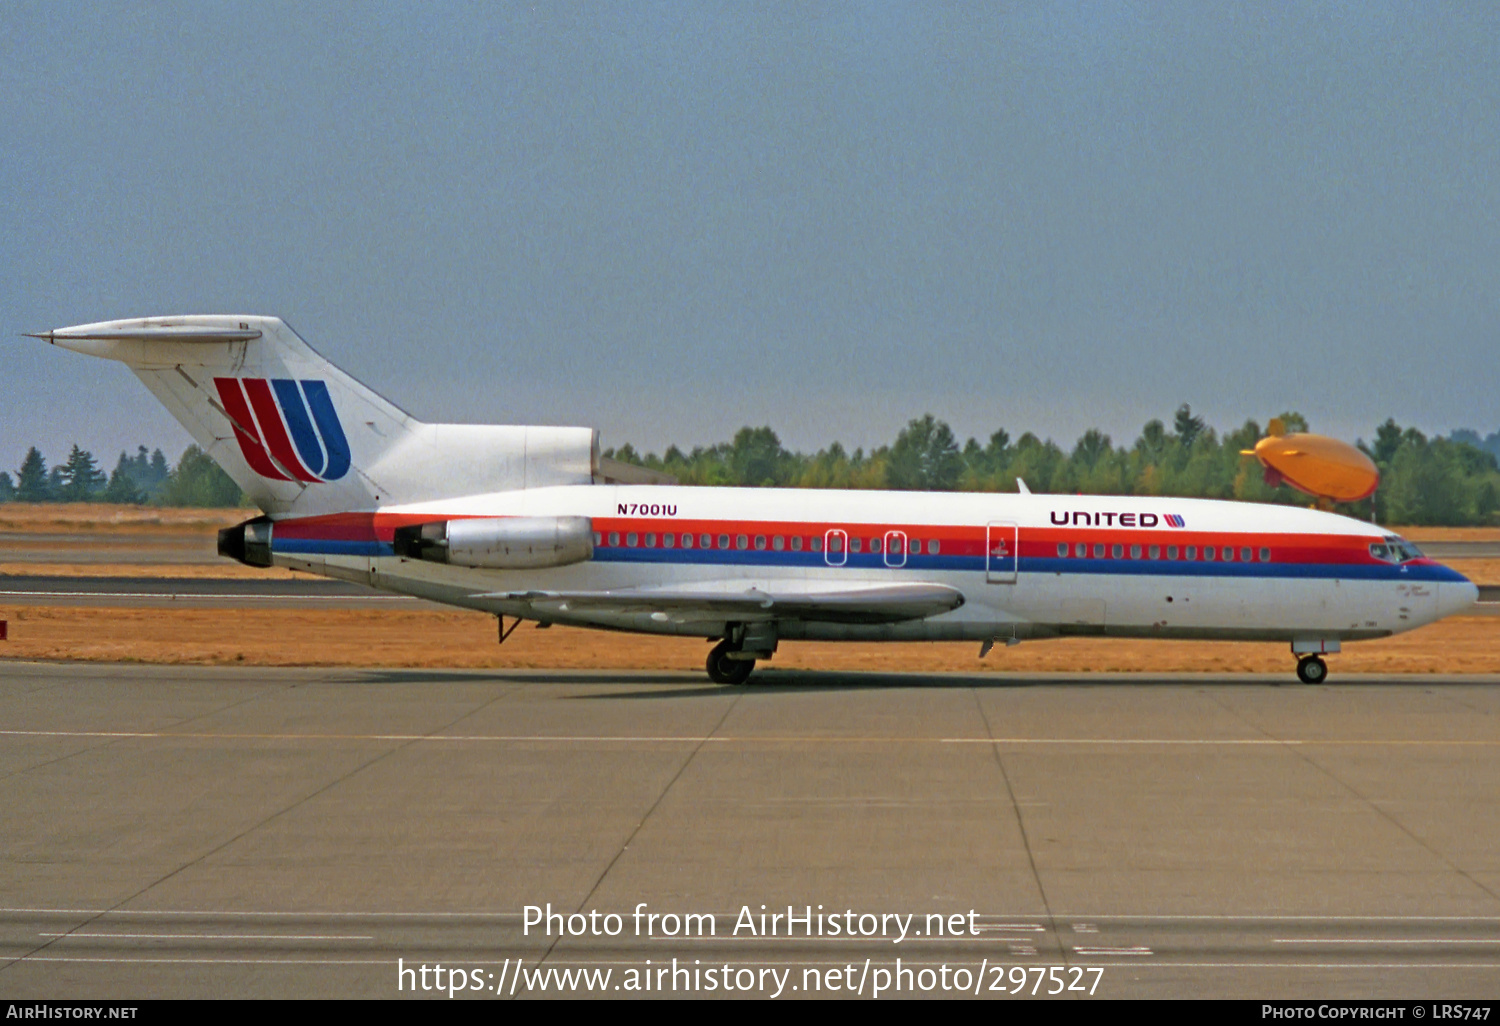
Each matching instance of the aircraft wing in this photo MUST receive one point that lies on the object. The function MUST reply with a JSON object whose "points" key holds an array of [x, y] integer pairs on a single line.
{"points": [[856, 603]]}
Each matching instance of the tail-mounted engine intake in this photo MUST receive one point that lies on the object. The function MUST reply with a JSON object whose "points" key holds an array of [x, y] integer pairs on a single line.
{"points": [[502, 543], [250, 542]]}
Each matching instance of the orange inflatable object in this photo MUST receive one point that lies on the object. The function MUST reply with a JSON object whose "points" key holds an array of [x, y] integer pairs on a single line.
{"points": [[1316, 464]]}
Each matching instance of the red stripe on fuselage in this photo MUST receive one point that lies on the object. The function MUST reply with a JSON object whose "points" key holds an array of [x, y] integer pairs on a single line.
{"points": [[269, 416], [953, 540], [233, 399], [1037, 542], [352, 526]]}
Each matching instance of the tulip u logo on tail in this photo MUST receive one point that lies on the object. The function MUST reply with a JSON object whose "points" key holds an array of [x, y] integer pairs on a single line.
{"points": [[287, 429]]}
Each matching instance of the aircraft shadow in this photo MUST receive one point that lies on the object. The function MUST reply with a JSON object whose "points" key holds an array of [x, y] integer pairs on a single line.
{"points": [[501, 676], [770, 682], [685, 684]]}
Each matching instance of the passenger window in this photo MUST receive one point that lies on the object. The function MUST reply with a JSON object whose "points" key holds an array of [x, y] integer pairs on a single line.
{"points": [[760, 543], [1062, 550], [932, 547], [1191, 553], [669, 540], [687, 540], [723, 541], [796, 543], [1171, 551], [651, 540], [742, 541], [874, 544], [853, 544], [1098, 551], [1209, 552], [632, 539], [1117, 551], [1265, 555], [1080, 550], [1228, 554], [598, 539], [778, 543], [705, 541], [1245, 556], [614, 537], [816, 543], [836, 543], [1156, 552], [1135, 552]]}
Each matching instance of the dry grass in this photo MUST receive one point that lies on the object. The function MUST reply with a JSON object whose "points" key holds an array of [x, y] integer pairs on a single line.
{"points": [[99, 517], [289, 637], [1480, 571], [1447, 534]]}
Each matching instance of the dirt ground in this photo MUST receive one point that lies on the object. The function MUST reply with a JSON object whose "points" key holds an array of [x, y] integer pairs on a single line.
{"points": [[294, 637]]}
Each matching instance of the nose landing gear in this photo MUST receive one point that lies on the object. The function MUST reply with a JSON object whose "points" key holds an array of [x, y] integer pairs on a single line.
{"points": [[1312, 670]]}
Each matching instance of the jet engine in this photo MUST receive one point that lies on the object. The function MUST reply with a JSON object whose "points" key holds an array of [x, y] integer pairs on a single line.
{"points": [[1325, 468], [500, 543], [250, 542]]}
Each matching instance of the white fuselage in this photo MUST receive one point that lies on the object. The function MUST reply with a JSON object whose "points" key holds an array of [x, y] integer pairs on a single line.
{"points": [[1028, 566]]}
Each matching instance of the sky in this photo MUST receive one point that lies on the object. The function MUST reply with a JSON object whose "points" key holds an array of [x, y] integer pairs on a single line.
{"points": [[670, 220]]}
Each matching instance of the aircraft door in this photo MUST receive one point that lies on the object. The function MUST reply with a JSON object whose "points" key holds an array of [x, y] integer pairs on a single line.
{"points": [[836, 547], [895, 548], [1001, 552]]}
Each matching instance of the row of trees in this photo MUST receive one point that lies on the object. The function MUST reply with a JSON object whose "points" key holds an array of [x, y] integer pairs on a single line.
{"points": [[138, 479], [1452, 480]]}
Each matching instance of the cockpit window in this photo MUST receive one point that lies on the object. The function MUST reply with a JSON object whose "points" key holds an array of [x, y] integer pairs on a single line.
{"points": [[1395, 550]]}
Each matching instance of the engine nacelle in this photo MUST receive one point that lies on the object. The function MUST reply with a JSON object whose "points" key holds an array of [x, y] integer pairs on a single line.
{"points": [[500, 543], [250, 542]]}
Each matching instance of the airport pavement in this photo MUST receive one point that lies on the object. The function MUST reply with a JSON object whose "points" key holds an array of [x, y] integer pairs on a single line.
{"points": [[176, 548], [192, 831], [146, 592]]}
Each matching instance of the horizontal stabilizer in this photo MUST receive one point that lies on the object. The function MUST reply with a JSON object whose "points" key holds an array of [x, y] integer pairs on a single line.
{"points": [[147, 333]]}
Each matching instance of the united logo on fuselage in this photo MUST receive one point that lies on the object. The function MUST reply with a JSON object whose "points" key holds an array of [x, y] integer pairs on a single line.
{"points": [[287, 430], [1082, 518]]}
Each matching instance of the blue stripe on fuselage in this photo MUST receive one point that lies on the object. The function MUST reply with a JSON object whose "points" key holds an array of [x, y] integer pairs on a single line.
{"points": [[329, 547], [932, 564]]}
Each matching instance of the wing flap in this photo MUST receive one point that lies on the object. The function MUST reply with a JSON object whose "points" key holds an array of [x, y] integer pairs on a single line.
{"points": [[875, 603]]}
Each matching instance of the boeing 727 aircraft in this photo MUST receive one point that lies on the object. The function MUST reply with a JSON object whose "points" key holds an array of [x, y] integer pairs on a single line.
{"points": [[518, 522]]}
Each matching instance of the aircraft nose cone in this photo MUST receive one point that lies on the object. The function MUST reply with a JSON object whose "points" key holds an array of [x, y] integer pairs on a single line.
{"points": [[1455, 596]]}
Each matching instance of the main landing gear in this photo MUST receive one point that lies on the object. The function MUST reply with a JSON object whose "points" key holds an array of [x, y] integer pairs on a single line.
{"points": [[725, 668], [1312, 670]]}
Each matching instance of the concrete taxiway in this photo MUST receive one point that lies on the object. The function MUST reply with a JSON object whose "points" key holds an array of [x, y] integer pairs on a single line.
{"points": [[190, 831]]}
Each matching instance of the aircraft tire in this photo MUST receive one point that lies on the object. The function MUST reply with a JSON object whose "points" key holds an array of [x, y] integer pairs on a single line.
{"points": [[1312, 670], [723, 670]]}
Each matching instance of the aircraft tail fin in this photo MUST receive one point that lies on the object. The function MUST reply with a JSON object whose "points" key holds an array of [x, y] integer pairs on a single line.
{"points": [[298, 435]]}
